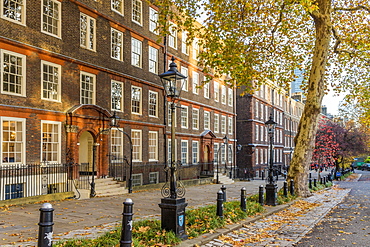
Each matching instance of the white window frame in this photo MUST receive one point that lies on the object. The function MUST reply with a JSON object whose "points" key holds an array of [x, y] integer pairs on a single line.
{"points": [[230, 97], [155, 175], [93, 91], [216, 89], [184, 117], [153, 145], [118, 6], [116, 44], [184, 152], [22, 143], [137, 177], [116, 144], [195, 49], [223, 94], [139, 106], [223, 124], [230, 125], [153, 20], [54, 81], [257, 132], [137, 151], [206, 90], [136, 50], [195, 80], [230, 153], [216, 126], [207, 120], [195, 152], [153, 60], [172, 37], [137, 12], [153, 103], [195, 118], [185, 72], [89, 37], [115, 95], [22, 76], [215, 152], [223, 153], [184, 45], [54, 18], [22, 20], [56, 142]]}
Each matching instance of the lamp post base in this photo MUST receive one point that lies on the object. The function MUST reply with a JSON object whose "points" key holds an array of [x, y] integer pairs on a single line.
{"points": [[271, 194], [173, 216]]}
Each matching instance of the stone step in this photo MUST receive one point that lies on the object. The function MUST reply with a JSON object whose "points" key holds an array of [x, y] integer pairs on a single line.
{"points": [[223, 179], [109, 187], [112, 191]]}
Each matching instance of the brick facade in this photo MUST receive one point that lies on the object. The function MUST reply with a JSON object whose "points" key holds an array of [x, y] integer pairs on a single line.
{"points": [[86, 121]]}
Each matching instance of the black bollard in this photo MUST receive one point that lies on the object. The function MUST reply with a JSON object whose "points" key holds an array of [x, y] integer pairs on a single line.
{"points": [[260, 195], [292, 187], [263, 175], [310, 175], [46, 226], [321, 181], [126, 232], [220, 200], [285, 188], [310, 183], [329, 178], [314, 182], [243, 199], [223, 189]]}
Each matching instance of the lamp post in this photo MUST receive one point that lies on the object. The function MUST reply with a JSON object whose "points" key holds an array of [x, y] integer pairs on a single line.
{"points": [[252, 149], [173, 204], [271, 187], [225, 141], [113, 124], [249, 151]]}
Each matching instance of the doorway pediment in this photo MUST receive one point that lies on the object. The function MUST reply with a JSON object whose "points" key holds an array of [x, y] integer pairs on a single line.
{"points": [[208, 134]]}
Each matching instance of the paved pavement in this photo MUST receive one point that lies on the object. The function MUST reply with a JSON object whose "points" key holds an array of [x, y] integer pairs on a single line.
{"points": [[92, 217], [284, 228]]}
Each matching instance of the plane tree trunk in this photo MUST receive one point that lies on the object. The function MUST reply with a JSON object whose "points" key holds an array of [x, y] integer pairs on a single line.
{"points": [[305, 139]]}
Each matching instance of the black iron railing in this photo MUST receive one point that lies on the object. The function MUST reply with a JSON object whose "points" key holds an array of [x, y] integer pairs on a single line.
{"points": [[25, 180]]}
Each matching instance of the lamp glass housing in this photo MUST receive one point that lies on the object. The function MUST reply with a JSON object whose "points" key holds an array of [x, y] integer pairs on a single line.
{"points": [[271, 125], [172, 81]]}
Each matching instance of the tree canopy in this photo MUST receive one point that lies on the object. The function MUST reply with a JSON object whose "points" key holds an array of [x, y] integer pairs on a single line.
{"points": [[338, 144], [254, 40]]}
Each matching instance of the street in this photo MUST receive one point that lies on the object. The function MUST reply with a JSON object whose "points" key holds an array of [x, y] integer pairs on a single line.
{"points": [[348, 223]]}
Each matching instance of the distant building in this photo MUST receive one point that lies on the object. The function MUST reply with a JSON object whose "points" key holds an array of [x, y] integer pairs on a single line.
{"points": [[253, 110], [296, 84]]}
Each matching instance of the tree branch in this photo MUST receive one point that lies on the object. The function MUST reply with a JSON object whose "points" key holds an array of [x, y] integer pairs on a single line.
{"points": [[360, 7], [338, 41], [276, 25]]}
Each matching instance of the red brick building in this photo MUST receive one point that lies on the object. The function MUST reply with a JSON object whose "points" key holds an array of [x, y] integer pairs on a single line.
{"points": [[252, 112], [68, 66]]}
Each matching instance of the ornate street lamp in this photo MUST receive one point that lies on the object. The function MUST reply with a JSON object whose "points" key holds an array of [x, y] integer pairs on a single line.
{"points": [[113, 124], [271, 186], [223, 145], [173, 204]]}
